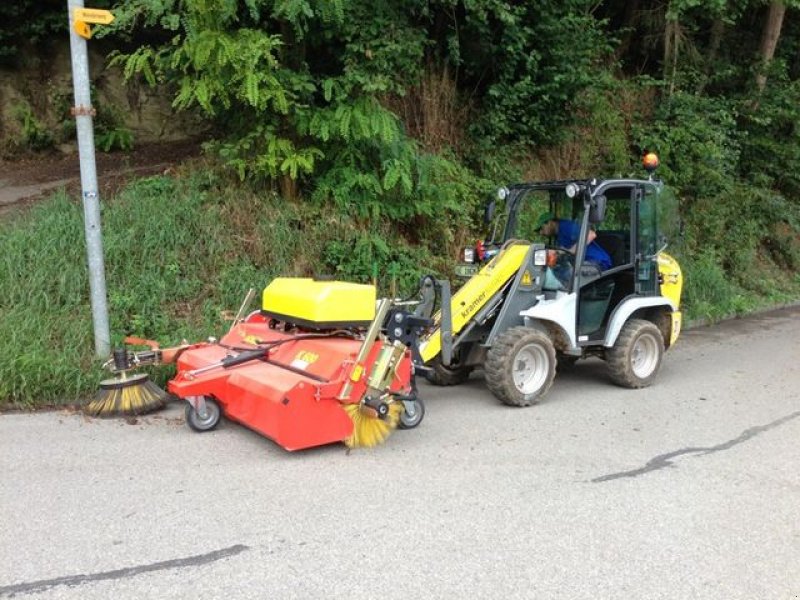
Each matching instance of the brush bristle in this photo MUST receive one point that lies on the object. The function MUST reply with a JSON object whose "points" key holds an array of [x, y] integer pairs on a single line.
{"points": [[126, 397], [368, 430]]}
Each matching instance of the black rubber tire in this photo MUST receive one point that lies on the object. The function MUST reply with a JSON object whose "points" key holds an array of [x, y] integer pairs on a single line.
{"points": [[502, 360], [635, 358], [408, 421], [444, 376], [194, 421]]}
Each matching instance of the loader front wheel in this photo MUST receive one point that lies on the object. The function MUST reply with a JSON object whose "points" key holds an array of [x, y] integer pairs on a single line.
{"points": [[635, 358], [412, 415], [205, 422], [454, 374], [520, 366]]}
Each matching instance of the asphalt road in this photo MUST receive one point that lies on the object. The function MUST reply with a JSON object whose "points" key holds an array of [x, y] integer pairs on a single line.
{"points": [[688, 489]]}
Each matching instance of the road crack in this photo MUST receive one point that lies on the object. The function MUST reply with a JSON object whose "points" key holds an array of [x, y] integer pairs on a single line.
{"points": [[662, 461], [35, 587]]}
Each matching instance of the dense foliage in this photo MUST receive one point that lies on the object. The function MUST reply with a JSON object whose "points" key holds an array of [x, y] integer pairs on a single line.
{"points": [[371, 131], [407, 110]]}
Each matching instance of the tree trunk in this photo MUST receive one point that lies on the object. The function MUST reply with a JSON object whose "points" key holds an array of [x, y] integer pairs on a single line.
{"points": [[672, 39], [714, 43], [629, 23], [769, 39]]}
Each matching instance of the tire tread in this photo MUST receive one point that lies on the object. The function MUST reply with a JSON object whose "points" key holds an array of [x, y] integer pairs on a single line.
{"points": [[498, 357], [618, 356]]}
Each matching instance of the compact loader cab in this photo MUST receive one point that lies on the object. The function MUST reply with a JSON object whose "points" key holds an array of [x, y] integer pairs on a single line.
{"points": [[614, 220], [578, 271]]}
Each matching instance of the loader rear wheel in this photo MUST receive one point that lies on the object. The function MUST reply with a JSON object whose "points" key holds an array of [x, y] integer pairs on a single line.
{"points": [[203, 423], [635, 358], [412, 415], [520, 366]]}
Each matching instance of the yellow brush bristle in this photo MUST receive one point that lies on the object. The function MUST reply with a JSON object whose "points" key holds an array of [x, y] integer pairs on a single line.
{"points": [[125, 397], [368, 430]]}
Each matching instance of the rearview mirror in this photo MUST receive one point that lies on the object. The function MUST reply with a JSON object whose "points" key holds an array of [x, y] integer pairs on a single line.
{"points": [[597, 209]]}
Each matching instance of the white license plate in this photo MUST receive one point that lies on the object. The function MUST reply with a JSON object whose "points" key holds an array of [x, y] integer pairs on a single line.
{"points": [[466, 270]]}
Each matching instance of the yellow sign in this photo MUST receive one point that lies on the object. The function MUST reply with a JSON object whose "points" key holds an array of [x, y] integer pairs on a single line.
{"points": [[93, 15], [526, 278], [358, 371], [82, 29]]}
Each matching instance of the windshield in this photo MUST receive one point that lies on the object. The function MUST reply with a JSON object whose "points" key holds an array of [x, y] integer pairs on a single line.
{"points": [[534, 207], [529, 218]]}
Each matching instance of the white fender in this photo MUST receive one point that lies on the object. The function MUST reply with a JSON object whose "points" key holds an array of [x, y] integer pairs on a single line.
{"points": [[625, 309], [560, 310]]}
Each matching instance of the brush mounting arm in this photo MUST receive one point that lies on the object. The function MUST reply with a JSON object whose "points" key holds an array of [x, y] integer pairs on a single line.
{"points": [[123, 359]]}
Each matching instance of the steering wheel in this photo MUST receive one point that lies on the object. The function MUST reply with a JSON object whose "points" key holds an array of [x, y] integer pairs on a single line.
{"points": [[559, 271]]}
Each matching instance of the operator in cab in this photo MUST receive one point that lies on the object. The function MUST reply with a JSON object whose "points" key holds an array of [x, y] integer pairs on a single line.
{"points": [[566, 233]]}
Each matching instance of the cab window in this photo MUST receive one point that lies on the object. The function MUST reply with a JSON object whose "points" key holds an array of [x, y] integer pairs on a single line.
{"points": [[614, 233]]}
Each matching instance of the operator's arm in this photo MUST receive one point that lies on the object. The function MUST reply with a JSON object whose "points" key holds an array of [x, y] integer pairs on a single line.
{"points": [[590, 237]]}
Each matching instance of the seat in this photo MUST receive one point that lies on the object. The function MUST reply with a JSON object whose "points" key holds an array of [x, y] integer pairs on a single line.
{"points": [[614, 245]]}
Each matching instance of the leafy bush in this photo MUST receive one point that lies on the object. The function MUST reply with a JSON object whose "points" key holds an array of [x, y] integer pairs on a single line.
{"points": [[530, 60], [697, 140], [35, 134], [709, 292], [364, 256], [110, 132], [118, 138], [771, 148]]}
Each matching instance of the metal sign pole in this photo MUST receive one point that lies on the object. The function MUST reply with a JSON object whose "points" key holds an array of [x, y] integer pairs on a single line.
{"points": [[91, 198]]}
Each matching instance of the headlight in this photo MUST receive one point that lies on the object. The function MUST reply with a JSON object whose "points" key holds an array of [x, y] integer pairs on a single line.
{"points": [[502, 193], [540, 258], [468, 255], [572, 190]]}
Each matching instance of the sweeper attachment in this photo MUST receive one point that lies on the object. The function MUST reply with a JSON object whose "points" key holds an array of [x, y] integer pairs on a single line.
{"points": [[127, 393], [321, 362]]}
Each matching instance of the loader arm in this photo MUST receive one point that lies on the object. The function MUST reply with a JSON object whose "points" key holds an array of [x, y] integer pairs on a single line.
{"points": [[475, 294]]}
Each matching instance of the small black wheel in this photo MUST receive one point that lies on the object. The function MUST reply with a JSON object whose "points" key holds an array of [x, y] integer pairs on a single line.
{"points": [[412, 415], [635, 359], [520, 366], [203, 423]]}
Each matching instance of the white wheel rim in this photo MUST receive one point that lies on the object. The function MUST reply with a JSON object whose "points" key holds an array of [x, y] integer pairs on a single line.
{"points": [[644, 355], [530, 368]]}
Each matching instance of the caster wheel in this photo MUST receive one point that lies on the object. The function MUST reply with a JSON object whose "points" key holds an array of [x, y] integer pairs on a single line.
{"points": [[412, 415], [205, 422]]}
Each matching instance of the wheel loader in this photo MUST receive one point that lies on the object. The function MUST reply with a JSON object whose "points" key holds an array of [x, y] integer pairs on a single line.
{"points": [[534, 306]]}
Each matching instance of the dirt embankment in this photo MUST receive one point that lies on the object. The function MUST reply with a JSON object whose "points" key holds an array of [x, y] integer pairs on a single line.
{"points": [[30, 178]]}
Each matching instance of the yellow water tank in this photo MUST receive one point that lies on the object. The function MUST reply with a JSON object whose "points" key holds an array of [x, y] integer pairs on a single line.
{"points": [[319, 304]]}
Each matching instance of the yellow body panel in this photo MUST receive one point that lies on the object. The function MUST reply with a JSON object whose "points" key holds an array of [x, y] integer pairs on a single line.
{"points": [[677, 319], [475, 293], [323, 302], [671, 287]]}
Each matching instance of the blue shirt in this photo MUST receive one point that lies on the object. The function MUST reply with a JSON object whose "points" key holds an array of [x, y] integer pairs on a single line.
{"points": [[568, 232]]}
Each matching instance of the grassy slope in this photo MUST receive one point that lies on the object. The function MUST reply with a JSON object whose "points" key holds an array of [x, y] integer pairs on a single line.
{"points": [[179, 251]]}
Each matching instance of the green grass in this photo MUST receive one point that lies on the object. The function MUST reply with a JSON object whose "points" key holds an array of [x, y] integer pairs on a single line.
{"points": [[177, 253], [712, 294]]}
